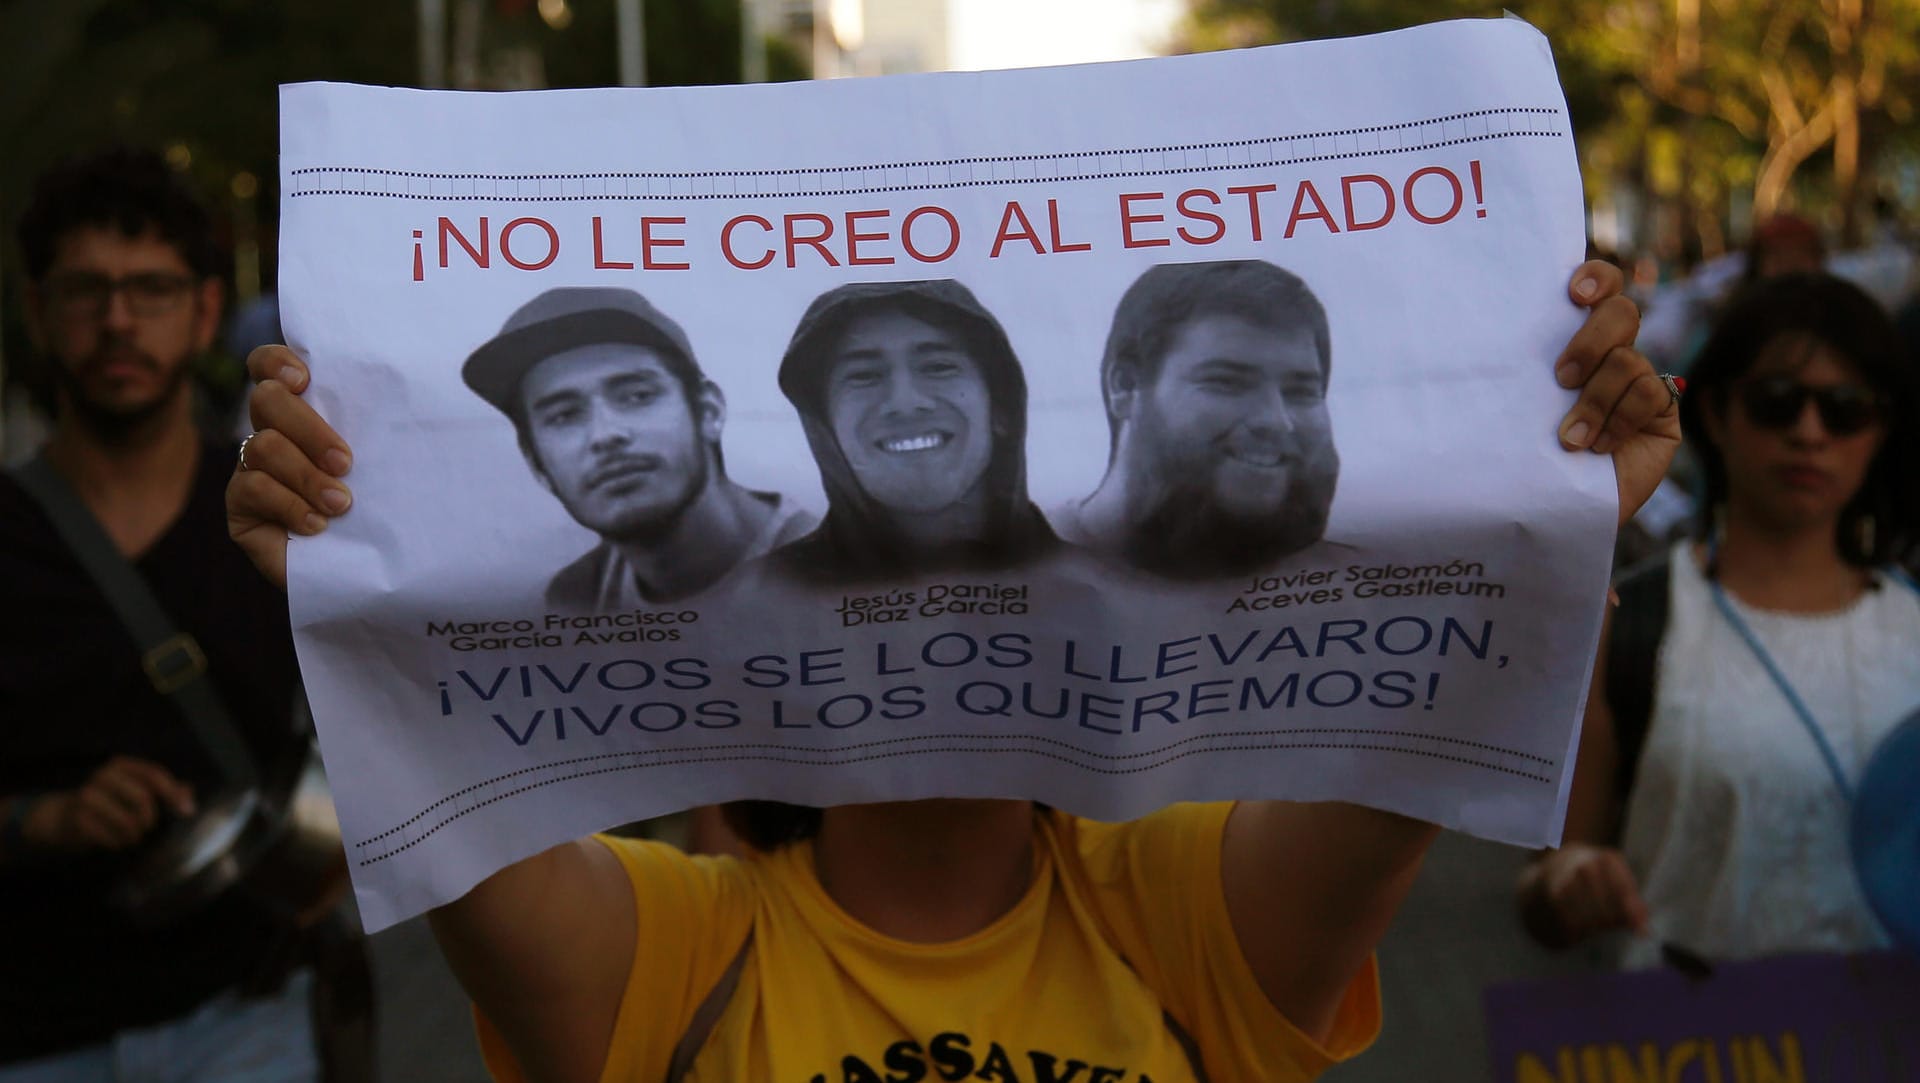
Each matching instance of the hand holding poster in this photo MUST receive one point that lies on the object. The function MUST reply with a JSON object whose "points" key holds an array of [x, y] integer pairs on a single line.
{"points": [[1111, 435]]}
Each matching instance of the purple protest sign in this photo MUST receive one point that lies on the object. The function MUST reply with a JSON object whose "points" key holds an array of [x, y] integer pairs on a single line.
{"points": [[1794, 1019]]}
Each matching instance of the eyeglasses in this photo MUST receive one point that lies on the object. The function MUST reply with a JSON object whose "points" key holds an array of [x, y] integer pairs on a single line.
{"points": [[83, 295], [1776, 402]]}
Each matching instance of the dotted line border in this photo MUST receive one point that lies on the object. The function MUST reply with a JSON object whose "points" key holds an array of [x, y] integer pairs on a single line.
{"points": [[929, 186], [417, 840], [1076, 749], [932, 162], [884, 742]]}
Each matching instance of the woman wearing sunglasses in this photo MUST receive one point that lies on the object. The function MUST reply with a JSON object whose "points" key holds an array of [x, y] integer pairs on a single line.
{"points": [[1775, 648]]}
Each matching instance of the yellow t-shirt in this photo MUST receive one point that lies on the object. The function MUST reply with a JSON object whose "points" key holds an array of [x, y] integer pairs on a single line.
{"points": [[1123, 922]]}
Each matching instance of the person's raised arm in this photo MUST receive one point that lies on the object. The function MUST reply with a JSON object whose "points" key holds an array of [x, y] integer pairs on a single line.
{"points": [[1585, 886], [287, 480], [544, 946], [1311, 888]]}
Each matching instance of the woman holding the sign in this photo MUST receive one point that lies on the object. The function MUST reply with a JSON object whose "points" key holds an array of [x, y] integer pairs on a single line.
{"points": [[1746, 679], [983, 938]]}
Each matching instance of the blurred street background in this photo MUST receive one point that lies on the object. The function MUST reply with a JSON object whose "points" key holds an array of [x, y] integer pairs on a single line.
{"points": [[1695, 119]]}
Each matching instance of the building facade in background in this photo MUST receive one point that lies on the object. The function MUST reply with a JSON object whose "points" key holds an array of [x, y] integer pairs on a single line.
{"points": [[905, 35], [861, 37]]}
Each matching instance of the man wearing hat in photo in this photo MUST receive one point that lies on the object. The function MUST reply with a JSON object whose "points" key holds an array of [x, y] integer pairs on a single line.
{"points": [[619, 423]]}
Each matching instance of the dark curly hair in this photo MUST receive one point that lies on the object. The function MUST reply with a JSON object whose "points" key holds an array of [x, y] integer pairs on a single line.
{"points": [[1814, 307], [125, 188]]}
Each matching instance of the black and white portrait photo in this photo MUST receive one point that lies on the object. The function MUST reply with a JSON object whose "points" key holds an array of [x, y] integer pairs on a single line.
{"points": [[617, 421], [1222, 459], [915, 408]]}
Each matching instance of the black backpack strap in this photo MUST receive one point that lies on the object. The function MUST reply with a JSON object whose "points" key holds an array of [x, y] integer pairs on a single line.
{"points": [[1633, 658], [1181, 1035], [707, 1015], [1187, 1045], [172, 659]]}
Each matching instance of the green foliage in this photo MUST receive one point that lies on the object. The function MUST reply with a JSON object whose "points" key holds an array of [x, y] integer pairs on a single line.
{"points": [[1699, 105], [200, 78], [688, 43]]}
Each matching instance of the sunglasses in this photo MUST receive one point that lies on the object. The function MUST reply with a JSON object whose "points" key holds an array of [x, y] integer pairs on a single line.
{"points": [[1776, 402]]}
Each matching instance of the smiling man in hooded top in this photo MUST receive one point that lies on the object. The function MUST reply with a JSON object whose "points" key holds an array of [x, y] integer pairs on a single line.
{"points": [[1222, 459], [618, 422], [916, 410]]}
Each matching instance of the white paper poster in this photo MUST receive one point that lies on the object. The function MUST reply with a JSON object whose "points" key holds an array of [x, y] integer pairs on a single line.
{"points": [[1110, 435]]}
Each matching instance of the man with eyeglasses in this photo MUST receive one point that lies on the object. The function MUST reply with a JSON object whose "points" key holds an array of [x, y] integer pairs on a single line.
{"points": [[96, 761]]}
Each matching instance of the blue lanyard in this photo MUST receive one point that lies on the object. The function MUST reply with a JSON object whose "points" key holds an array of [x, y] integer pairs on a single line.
{"points": [[1780, 679]]}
